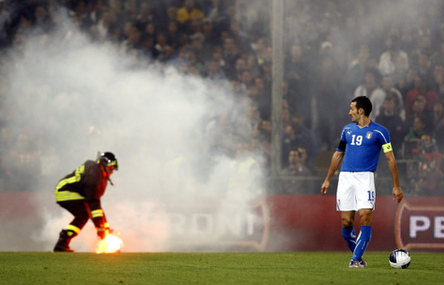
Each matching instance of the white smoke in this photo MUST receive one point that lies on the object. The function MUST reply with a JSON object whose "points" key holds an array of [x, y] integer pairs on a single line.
{"points": [[71, 98]]}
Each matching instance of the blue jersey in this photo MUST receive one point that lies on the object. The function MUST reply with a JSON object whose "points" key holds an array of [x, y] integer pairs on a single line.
{"points": [[363, 146]]}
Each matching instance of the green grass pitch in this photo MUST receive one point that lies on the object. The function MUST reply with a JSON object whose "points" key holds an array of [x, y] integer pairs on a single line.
{"points": [[214, 268]]}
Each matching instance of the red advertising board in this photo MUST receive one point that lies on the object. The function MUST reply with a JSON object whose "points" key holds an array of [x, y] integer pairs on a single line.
{"points": [[311, 223], [281, 223], [419, 224]]}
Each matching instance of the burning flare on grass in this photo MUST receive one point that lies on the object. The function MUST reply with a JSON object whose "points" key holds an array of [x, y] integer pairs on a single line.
{"points": [[110, 244]]}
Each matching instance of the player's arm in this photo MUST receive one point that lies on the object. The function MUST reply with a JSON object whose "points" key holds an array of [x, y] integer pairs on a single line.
{"points": [[335, 163], [393, 166], [92, 195]]}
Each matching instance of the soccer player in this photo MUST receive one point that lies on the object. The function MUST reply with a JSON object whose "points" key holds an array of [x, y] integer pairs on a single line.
{"points": [[80, 193], [358, 151]]}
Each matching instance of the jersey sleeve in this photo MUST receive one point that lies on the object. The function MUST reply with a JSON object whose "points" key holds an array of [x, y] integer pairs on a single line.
{"points": [[385, 140], [342, 142]]}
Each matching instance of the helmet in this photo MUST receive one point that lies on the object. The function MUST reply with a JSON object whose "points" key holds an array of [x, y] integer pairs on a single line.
{"points": [[107, 159]]}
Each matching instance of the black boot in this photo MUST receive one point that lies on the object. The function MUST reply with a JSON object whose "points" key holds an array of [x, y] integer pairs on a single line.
{"points": [[62, 244]]}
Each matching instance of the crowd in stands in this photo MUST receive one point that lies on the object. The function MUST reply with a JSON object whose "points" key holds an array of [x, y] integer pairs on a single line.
{"points": [[390, 51]]}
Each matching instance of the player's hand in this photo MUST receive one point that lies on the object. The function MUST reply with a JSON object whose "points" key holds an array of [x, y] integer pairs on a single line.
{"points": [[324, 187], [397, 194]]}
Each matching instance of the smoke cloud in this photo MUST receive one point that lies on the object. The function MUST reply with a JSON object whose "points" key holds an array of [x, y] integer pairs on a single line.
{"points": [[176, 138]]}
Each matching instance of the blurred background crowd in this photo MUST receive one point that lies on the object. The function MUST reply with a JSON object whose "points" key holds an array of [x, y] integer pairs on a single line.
{"points": [[335, 50]]}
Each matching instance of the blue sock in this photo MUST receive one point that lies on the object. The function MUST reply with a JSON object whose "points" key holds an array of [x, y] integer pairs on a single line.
{"points": [[349, 235], [362, 242]]}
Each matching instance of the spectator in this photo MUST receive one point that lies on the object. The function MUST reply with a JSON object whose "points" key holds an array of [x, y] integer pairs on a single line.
{"points": [[161, 50], [424, 65], [212, 37], [5, 18], [168, 15], [102, 30], [438, 124], [401, 69], [290, 97], [371, 89], [424, 47], [295, 64], [387, 58], [188, 12], [263, 98], [175, 38], [42, 20], [215, 12], [421, 88], [311, 40], [130, 10], [297, 134], [230, 55], [246, 79], [438, 56], [99, 7], [387, 86], [228, 16], [79, 8], [437, 81], [214, 71], [144, 16], [288, 142], [328, 96], [195, 25], [218, 56], [260, 49], [390, 118], [407, 82], [419, 110], [240, 37], [194, 66], [286, 115], [197, 46], [297, 163], [440, 34], [356, 71], [266, 70], [265, 134], [429, 167], [333, 14], [350, 29], [133, 42], [254, 119], [339, 48], [417, 129], [407, 40], [422, 26], [239, 67], [171, 11], [296, 73], [252, 93], [252, 65]]}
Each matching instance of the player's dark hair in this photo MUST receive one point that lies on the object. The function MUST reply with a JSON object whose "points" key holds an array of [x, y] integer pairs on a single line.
{"points": [[364, 103]]}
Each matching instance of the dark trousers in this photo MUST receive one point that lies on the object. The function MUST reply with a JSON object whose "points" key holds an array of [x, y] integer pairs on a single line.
{"points": [[79, 210]]}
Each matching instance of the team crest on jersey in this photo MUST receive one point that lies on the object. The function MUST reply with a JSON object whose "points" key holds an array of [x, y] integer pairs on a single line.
{"points": [[369, 135]]}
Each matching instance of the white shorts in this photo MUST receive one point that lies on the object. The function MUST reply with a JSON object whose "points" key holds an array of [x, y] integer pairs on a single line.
{"points": [[356, 190]]}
